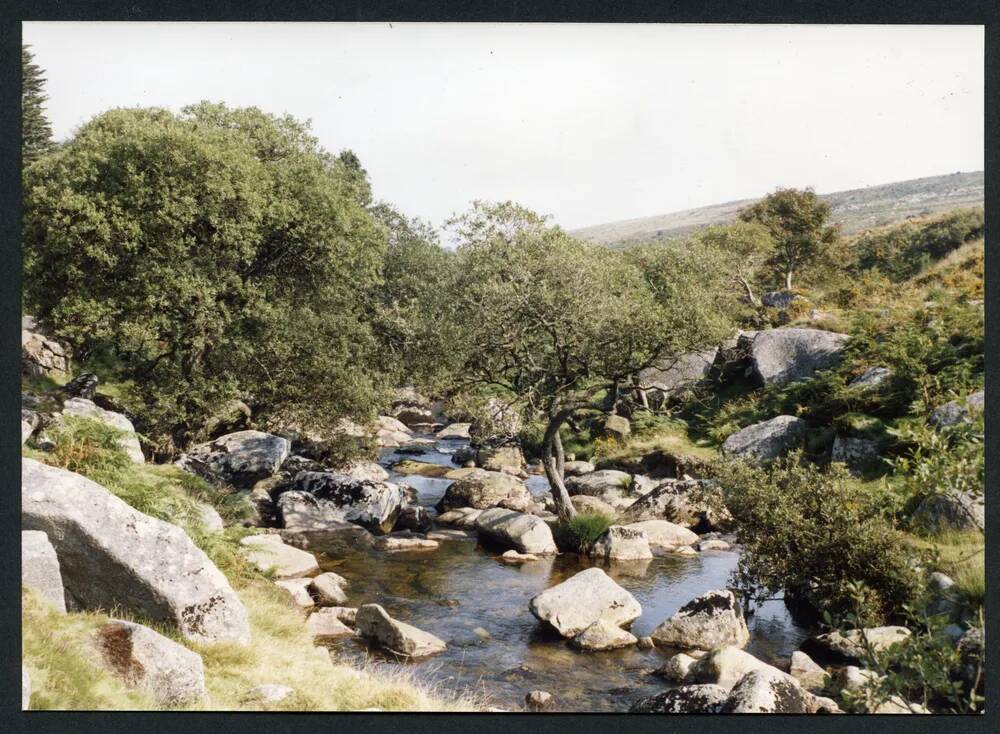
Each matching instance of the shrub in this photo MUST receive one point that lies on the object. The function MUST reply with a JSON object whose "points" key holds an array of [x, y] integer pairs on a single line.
{"points": [[819, 534], [582, 531]]}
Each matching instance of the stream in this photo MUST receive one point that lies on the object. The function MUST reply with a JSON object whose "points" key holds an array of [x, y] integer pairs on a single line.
{"points": [[478, 605]]}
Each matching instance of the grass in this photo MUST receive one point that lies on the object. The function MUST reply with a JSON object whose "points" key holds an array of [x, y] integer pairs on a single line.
{"points": [[581, 531], [961, 555]]}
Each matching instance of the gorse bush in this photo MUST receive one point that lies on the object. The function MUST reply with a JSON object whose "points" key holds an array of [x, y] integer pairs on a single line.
{"points": [[820, 535]]}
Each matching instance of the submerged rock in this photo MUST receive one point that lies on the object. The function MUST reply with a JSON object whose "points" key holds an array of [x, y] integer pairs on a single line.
{"points": [[578, 602], [373, 623], [709, 621]]}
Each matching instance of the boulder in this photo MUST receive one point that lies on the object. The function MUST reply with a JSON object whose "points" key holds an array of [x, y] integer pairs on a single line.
{"points": [[710, 544], [767, 440], [329, 589], [578, 468], [676, 502], [463, 517], [298, 589], [146, 659], [326, 625], [270, 553], [706, 622], [956, 411], [581, 600], [767, 692], [414, 518], [525, 533], [856, 453], [724, 666], [364, 471], [694, 699], [506, 458], [950, 510], [112, 555], [663, 534], [41, 355], [809, 675], [853, 678], [454, 432], [619, 543], [586, 505], [608, 485], [30, 420], [780, 356], [603, 635], [484, 490], [373, 623], [373, 505], [243, 458], [677, 669], [870, 378], [779, 299], [209, 518], [682, 374], [616, 427], [850, 645], [40, 568], [347, 615], [83, 408]]}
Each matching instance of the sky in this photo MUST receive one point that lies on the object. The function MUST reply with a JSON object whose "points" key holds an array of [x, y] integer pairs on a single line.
{"points": [[587, 123]]}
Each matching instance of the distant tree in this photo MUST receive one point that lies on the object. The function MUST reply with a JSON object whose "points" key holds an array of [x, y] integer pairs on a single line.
{"points": [[797, 221], [554, 324], [36, 132], [743, 248]]}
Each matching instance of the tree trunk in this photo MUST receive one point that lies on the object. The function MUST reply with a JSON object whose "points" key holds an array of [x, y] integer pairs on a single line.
{"points": [[553, 459], [788, 279], [750, 295]]}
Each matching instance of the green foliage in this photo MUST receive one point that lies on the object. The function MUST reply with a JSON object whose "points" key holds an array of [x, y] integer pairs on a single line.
{"points": [[797, 221], [902, 251], [89, 447], [818, 534], [216, 253], [36, 132], [581, 531], [742, 249]]}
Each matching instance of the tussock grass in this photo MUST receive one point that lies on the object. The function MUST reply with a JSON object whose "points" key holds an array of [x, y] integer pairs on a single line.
{"points": [[580, 532], [961, 555]]}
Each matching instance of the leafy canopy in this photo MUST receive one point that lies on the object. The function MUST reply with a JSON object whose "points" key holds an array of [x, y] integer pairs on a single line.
{"points": [[36, 132]]}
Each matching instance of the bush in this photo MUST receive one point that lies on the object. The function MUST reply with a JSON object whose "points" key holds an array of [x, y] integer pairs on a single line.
{"points": [[581, 532], [819, 534]]}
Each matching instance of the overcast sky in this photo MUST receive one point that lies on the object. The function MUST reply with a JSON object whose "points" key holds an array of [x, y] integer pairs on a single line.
{"points": [[589, 123]]}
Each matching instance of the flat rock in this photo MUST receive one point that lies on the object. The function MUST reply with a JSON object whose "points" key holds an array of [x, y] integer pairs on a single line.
{"points": [[581, 600], [603, 635], [393, 544], [111, 555], [40, 568], [512, 556], [270, 553], [409, 467], [373, 623], [326, 625], [329, 589], [524, 533], [452, 535], [664, 534]]}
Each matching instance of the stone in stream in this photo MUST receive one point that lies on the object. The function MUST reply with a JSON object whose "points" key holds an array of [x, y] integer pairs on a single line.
{"points": [[809, 675], [242, 458], [767, 440], [767, 692], [525, 533], [677, 669], [328, 588], [710, 544], [409, 467], [578, 468], [111, 555], [486, 489], [603, 635], [299, 590], [40, 568], [619, 543], [539, 700], [463, 517], [146, 659], [373, 623], [685, 550], [581, 600], [270, 554], [413, 518], [374, 506], [780, 356], [394, 544], [691, 699], [506, 458], [512, 556], [724, 666], [610, 486], [454, 432], [708, 621], [326, 625], [663, 534], [129, 441], [449, 534]]}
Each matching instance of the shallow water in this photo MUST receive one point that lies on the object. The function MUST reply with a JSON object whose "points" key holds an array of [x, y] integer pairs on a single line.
{"points": [[465, 595]]}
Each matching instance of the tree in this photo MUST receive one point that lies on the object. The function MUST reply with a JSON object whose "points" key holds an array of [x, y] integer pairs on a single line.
{"points": [[36, 133], [742, 248], [211, 254], [553, 324], [797, 221]]}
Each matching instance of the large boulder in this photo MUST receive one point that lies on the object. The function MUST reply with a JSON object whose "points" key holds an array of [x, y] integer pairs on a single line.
{"points": [[41, 355], [373, 623], [485, 489], [706, 622], [270, 554], [767, 440], [780, 356], [663, 534], [957, 411], [676, 502], [40, 568], [724, 666], [243, 458], [950, 510], [590, 595], [172, 674], [609, 485], [693, 699], [523, 533], [331, 496], [679, 375], [767, 692], [619, 543], [112, 555], [83, 408]]}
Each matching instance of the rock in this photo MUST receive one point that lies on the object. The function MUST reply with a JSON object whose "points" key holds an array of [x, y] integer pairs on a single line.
{"points": [[243, 458], [850, 646], [684, 373], [25, 689], [685, 550], [329, 589], [146, 659], [413, 518], [608, 485], [334, 539], [512, 556], [897, 705], [676, 502], [616, 427], [663, 534], [373, 623], [484, 490], [944, 598], [461, 516], [581, 600], [711, 544], [780, 356], [451, 534], [144, 565], [299, 590], [41, 355], [578, 468], [209, 519], [603, 635], [767, 692], [268, 693], [696, 699], [412, 415], [949, 510], [364, 471], [677, 669], [270, 553], [326, 624], [954, 412], [40, 568], [724, 666], [809, 675], [525, 533], [394, 544], [347, 615], [234, 416], [30, 420], [409, 467], [373, 505], [539, 700], [779, 299], [506, 458], [82, 408], [592, 506], [646, 643], [454, 432], [766, 440], [853, 678], [82, 386], [706, 622], [971, 668], [856, 453], [619, 543], [870, 378]]}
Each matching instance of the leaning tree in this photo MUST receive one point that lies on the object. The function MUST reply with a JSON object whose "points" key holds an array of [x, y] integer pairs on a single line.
{"points": [[555, 325]]}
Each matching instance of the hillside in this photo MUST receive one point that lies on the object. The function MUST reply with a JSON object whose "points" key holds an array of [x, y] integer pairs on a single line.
{"points": [[854, 210]]}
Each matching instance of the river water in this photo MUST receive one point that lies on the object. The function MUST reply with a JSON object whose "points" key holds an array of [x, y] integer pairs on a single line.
{"points": [[478, 605]]}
